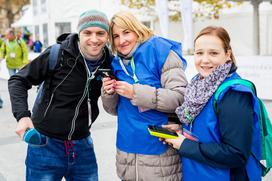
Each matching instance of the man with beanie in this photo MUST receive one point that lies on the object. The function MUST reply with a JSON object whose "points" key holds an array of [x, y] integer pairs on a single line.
{"points": [[68, 106]]}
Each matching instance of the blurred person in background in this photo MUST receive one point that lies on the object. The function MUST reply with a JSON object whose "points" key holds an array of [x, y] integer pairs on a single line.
{"points": [[1, 42], [15, 52], [37, 45], [30, 42]]}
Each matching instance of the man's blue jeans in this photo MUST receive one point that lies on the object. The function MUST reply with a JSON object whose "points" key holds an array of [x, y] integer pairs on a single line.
{"points": [[55, 159], [12, 71]]}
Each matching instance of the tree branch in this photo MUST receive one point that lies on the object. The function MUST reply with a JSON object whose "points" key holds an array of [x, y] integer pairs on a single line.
{"points": [[2, 8]]}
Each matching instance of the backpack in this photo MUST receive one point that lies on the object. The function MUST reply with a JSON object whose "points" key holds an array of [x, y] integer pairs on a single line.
{"points": [[265, 123], [44, 86]]}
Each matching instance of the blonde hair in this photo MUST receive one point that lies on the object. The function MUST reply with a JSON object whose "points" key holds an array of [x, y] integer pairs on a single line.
{"points": [[127, 20], [222, 34]]}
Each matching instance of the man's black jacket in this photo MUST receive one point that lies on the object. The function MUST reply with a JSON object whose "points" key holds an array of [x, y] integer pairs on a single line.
{"points": [[63, 112]]}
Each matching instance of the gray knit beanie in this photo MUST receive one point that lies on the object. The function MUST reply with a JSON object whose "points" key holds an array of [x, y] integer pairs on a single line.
{"points": [[93, 18]]}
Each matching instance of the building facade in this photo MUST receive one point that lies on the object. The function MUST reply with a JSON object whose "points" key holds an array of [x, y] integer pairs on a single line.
{"points": [[52, 18]]}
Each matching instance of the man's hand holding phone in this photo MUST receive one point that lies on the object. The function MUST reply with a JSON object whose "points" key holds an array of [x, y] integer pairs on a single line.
{"points": [[106, 73], [109, 80], [109, 85]]}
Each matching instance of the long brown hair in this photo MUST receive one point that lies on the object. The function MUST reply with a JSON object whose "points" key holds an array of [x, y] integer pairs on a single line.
{"points": [[222, 34]]}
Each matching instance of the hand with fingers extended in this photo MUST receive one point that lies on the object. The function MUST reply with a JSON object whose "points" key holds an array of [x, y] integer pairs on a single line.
{"points": [[173, 127], [23, 124], [175, 143], [124, 89], [109, 85]]}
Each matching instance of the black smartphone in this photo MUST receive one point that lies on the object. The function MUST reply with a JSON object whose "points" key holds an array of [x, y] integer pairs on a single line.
{"points": [[106, 73], [161, 132]]}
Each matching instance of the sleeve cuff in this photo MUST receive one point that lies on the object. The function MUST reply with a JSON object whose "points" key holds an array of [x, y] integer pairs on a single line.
{"points": [[144, 96], [187, 147], [20, 115]]}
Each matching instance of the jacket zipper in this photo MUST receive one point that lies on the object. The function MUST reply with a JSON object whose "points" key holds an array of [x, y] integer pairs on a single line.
{"points": [[86, 90], [51, 98], [90, 76], [77, 110]]}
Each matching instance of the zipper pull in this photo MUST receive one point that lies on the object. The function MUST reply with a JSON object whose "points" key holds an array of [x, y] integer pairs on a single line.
{"points": [[73, 155], [92, 76], [90, 110]]}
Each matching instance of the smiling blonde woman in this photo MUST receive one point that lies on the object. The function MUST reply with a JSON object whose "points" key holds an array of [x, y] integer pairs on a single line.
{"points": [[151, 83]]}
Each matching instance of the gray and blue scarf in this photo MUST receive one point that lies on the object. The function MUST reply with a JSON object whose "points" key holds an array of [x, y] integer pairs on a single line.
{"points": [[199, 91]]}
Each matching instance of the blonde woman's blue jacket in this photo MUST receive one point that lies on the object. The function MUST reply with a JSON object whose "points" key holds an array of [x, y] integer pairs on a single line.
{"points": [[132, 133]]}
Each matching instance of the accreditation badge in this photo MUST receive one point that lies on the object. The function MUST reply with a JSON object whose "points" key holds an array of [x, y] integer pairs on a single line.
{"points": [[12, 55]]}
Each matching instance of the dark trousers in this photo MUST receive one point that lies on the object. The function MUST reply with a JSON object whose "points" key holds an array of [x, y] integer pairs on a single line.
{"points": [[1, 103]]}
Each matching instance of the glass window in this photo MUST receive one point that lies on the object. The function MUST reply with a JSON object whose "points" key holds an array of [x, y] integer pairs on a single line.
{"points": [[43, 6], [37, 31], [147, 23], [62, 28], [45, 35], [35, 7]]}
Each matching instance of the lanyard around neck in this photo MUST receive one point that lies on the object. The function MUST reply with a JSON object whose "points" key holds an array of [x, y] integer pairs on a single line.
{"points": [[132, 65]]}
